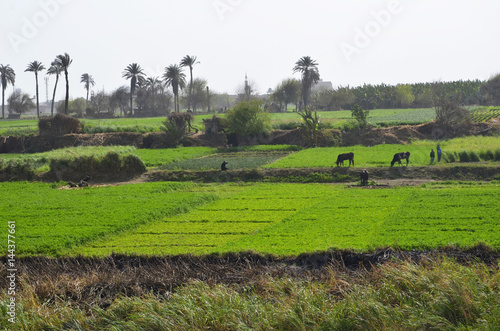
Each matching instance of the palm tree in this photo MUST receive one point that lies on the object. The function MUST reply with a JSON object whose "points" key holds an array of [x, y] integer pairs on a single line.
{"points": [[173, 76], [88, 80], [54, 69], [153, 83], [189, 61], [7, 76], [35, 67], [310, 75], [64, 61], [136, 75]]}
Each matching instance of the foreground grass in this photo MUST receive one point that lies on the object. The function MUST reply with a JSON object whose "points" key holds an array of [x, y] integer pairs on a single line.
{"points": [[433, 295]]}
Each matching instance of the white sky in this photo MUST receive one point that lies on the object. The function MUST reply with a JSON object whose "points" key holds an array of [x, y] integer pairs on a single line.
{"points": [[407, 41]]}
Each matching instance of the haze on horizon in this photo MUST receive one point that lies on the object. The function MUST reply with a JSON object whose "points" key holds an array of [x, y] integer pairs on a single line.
{"points": [[354, 42]]}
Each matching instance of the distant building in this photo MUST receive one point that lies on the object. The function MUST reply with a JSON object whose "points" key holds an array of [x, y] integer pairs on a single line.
{"points": [[322, 86]]}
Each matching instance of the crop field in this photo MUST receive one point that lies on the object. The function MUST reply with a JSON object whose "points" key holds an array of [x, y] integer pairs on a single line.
{"points": [[49, 219], [153, 124], [381, 155], [485, 114], [245, 157], [289, 219]]}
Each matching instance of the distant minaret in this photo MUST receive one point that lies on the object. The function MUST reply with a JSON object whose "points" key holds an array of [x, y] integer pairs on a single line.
{"points": [[47, 88], [247, 88]]}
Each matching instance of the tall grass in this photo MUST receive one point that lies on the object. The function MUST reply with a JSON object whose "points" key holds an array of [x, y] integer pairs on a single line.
{"points": [[433, 295]]}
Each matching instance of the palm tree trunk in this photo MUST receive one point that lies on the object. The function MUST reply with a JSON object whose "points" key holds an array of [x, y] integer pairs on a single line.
{"points": [[37, 103], [190, 87], [3, 102], [54, 97], [66, 101]]}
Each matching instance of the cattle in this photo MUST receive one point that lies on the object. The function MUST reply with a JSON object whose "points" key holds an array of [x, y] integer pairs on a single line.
{"points": [[401, 156], [346, 156]]}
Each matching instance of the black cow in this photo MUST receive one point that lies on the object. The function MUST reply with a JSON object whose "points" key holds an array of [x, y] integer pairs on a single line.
{"points": [[401, 156], [346, 156]]}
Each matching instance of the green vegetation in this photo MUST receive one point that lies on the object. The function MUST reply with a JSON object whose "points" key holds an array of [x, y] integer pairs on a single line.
{"points": [[439, 295], [161, 157], [485, 114], [333, 119], [50, 219], [289, 219], [381, 155]]}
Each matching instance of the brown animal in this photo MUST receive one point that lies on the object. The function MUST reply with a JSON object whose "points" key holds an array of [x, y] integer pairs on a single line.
{"points": [[346, 156]]}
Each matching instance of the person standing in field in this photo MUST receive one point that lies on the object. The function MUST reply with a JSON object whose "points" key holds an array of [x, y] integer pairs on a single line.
{"points": [[432, 156], [438, 149]]}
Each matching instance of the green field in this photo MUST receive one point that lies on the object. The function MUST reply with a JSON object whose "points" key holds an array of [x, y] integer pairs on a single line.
{"points": [[49, 220], [381, 155], [158, 218], [336, 119]]}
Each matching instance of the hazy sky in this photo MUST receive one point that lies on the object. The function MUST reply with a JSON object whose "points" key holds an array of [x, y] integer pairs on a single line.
{"points": [[354, 41]]}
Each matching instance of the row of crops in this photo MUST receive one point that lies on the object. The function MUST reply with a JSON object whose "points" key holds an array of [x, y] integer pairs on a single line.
{"points": [[172, 218]]}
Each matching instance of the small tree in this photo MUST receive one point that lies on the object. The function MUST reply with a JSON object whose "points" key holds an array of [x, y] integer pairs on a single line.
{"points": [[176, 127], [247, 119], [310, 126], [20, 103], [360, 115]]}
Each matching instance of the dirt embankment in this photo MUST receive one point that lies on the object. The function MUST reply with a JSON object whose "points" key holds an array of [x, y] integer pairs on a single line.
{"points": [[88, 281], [369, 137], [382, 175]]}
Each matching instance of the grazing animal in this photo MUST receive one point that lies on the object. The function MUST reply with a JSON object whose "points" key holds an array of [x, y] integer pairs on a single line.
{"points": [[401, 156], [223, 166], [346, 156], [363, 175]]}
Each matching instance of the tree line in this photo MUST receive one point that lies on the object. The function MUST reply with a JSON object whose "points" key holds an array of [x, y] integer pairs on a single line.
{"points": [[149, 96]]}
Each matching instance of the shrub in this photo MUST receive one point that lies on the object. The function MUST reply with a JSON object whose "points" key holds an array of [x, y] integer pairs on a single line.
{"points": [[450, 157], [247, 119], [473, 157], [497, 155], [464, 156], [133, 164]]}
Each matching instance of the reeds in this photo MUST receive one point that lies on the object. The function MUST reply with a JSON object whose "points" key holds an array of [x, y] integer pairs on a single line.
{"points": [[252, 292]]}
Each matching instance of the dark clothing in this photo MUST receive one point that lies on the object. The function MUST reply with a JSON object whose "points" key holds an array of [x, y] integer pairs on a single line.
{"points": [[432, 156], [439, 153]]}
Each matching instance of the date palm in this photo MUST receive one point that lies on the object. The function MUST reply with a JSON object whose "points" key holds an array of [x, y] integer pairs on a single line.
{"points": [[7, 76], [189, 61], [54, 69], [64, 61], [136, 75], [308, 68], [174, 77], [35, 67], [88, 81]]}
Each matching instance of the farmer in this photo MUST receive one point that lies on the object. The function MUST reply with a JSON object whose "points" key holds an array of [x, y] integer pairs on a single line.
{"points": [[223, 166], [438, 149], [432, 156]]}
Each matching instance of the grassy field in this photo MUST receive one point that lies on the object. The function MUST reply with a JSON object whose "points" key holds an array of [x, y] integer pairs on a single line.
{"points": [[49, 219], [381, 155], [335, 119], [158, 218]]}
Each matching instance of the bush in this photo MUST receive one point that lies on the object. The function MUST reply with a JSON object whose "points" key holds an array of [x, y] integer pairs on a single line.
{"points": [[247, 119], [464, 156]]}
